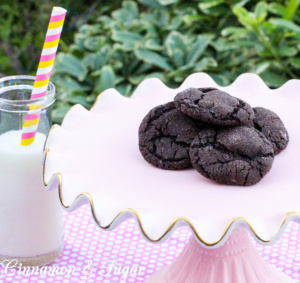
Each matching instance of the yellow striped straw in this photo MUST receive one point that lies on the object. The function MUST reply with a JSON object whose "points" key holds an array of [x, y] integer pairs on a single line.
{"points": [[43, 74]]}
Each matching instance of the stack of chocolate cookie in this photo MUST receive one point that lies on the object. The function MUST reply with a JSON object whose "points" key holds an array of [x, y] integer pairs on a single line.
{"points": [[221, 136]]}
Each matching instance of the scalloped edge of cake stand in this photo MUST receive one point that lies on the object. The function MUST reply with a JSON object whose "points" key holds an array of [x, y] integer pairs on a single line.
{"points": [[55, 182]]}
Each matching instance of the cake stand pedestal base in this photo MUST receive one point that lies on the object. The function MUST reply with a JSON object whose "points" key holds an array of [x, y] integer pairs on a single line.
{"points": [[235, 261]]}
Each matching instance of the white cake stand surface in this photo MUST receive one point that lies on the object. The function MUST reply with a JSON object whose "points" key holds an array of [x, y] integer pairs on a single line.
{"points": [[94, 157]]}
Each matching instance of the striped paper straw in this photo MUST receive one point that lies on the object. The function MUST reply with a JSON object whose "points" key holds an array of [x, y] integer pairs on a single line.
{"points": [[43, 74]]}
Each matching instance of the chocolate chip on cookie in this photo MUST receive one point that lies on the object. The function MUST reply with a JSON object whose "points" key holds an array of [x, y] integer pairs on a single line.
{"points": [[235, 156], [165, 136], [214, 106], [268, 123]]}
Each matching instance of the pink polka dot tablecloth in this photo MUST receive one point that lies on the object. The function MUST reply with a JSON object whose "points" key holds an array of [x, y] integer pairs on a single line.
{"points": [[90, 252]]}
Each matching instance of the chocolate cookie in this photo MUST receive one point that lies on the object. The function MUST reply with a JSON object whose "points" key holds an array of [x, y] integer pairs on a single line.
{"points": [[214, 106], [165, 136], [268, 123], [234, 156]]}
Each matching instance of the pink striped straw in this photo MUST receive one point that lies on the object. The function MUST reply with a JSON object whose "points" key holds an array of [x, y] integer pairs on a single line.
{"points": [[43, 74]]}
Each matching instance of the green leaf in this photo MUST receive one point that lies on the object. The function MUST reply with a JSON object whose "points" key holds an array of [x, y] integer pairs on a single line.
{"points": [[125, 89], [261, 11], [59, 112], [223, 45], [153, 44], [129, 39], [132, 7], [295, 62], [277, 9], [106, 20], [181, 73], [69, 64], [66, 84], [239, 3], [291, 9], [220, 79], [231, 30], [89, 30], [159, 75], [91, 98], [209, 4], [95, 61], [125, 36], [94, 43], [287, 51], [89, 60], [136, 80], [161, 18], [273, 79], [261, 67], [175, 40], [189, 20], [234, 33], [205, 64], [197, 49], [152, 58], [79, 99], [150, 3], [217, 11], [79, 41], [167, 2], [265, 53], [178, 57], [286, 24], [128, 13], [208, 7], [106, 80], [175, 23], [245, 18]]}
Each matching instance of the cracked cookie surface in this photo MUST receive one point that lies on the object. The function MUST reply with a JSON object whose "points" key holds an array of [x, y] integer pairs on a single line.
{"points": [[214, 106], [235, 156], [165, 136], [268, 123]]}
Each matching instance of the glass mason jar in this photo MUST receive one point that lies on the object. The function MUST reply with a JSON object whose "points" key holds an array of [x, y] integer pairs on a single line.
{"points": [[31, 219]]}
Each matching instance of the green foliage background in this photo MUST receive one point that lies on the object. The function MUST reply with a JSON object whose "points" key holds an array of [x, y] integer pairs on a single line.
{"points": [[119, 43]]}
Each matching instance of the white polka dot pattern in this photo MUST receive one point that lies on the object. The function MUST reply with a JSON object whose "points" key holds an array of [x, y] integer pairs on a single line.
{"points": [[87, 248]]}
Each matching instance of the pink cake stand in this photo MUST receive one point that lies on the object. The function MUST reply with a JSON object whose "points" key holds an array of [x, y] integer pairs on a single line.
{"points": [[94, 157]]}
